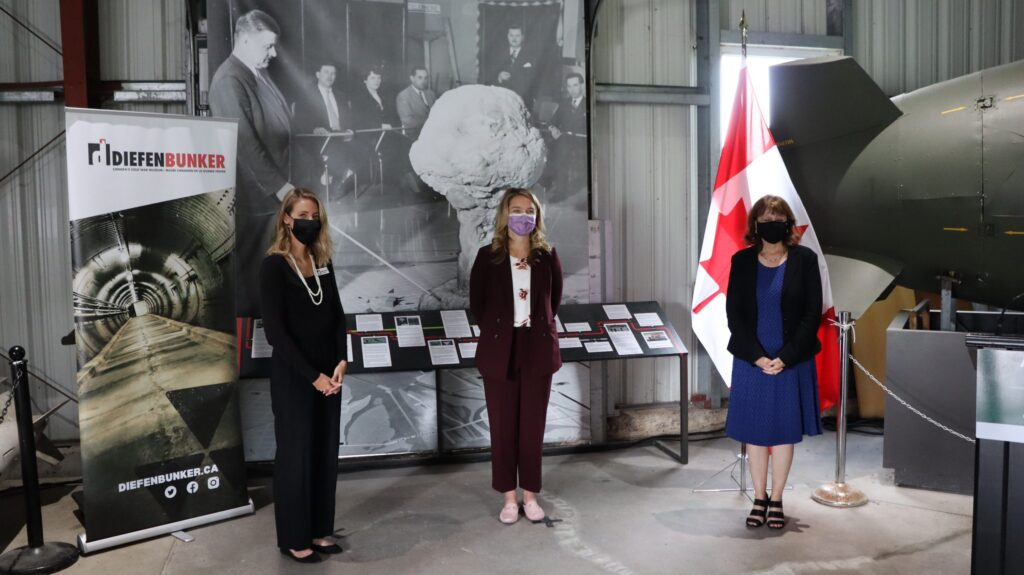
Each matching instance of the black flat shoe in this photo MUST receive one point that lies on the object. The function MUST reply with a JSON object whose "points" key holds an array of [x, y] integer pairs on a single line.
{"points": [[776, 519], [311, 558], [332, 549], [756, 517]]}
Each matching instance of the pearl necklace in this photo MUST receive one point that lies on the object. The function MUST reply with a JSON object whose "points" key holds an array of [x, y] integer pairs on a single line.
{"points": [[317, 297]]}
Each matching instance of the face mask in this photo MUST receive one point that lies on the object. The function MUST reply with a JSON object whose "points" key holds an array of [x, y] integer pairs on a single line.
{"points": [[772, 232], [306, 231], [522, 224]]}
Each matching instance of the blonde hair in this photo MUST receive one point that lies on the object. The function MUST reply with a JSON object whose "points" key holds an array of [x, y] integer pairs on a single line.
{"points": [[499, 244], [321, 248]]}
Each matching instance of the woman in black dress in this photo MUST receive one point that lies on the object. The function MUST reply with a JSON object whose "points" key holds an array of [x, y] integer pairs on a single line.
{"points": [[305, 323]]}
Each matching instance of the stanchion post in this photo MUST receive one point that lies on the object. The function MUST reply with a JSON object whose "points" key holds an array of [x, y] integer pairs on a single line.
{"points": [[37, 556], [839, 493]]}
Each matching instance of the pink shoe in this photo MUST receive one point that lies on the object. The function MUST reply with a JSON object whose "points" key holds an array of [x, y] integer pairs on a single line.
{"points": [[534, 512], [509, 513]]}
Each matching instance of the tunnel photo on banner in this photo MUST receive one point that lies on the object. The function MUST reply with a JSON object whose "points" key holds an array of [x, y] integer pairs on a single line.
{"points": [[151, 201], [408, 120]]}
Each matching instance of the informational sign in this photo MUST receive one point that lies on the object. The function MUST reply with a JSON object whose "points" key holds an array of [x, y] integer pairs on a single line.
{"points": [[151, 202]]}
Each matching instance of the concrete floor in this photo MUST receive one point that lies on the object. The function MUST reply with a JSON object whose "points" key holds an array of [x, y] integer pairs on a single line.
{"points": [[625, 511]]}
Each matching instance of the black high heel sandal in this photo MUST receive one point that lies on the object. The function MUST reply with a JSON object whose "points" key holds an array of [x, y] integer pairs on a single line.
{"points": [[776, 519], [311, 558], [757, 516]]}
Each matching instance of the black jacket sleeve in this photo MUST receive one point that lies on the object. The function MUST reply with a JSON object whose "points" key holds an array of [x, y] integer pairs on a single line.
{"points": [[743, 342], [804, 342], [272, 285]]}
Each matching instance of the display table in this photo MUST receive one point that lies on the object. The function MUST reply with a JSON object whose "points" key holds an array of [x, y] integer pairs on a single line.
{"points": [[447, 339]]}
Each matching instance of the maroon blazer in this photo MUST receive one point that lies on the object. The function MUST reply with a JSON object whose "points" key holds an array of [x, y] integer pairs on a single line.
{"points": [[490, 301]]}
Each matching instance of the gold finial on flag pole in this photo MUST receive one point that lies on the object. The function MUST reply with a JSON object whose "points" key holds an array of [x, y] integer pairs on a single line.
{"points": [[743, 32]]}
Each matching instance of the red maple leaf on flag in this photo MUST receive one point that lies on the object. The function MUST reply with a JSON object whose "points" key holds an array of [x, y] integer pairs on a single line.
{"points": [[728, 240]]}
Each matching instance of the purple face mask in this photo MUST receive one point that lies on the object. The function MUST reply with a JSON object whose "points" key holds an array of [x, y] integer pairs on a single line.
{"points": [[522, 224]]}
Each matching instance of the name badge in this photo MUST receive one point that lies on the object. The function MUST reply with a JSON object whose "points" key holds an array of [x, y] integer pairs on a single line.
{"points": [[322, 271]]}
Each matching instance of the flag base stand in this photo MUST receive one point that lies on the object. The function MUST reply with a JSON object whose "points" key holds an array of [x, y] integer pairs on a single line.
{"points": [[839, 495], [46, 558], [741, 482]]}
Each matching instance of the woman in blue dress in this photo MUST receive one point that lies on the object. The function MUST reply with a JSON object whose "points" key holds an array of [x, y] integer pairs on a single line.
{"points": [[773, 304]]}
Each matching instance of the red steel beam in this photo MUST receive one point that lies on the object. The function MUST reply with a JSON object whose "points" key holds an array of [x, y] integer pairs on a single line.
{"points": [[79, 30]]}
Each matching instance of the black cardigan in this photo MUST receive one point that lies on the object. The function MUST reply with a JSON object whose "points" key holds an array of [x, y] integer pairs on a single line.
{"points": [[801, 306]]}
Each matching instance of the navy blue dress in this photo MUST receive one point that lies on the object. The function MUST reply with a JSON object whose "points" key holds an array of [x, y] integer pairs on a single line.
{"points": [[772, 409]]}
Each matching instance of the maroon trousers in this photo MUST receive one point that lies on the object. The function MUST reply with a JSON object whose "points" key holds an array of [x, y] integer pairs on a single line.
{"points": [[517, 408]]}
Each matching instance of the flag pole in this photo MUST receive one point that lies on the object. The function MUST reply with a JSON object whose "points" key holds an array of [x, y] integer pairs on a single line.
{"points": [[743, 34], [839, 493]]}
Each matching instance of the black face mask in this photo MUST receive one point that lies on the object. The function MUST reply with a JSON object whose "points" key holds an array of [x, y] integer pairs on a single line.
{"points": [[306, 231], [773, 232]]}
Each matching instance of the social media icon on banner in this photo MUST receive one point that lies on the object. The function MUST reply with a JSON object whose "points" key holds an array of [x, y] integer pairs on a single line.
{"points": [[213, 482], [192, 487], [170, 492]]}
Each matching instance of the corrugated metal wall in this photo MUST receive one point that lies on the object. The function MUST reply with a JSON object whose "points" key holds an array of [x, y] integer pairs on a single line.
{"points": [[644, 177], [782, 16], [914, 43], [140, 40], [903, 44]]}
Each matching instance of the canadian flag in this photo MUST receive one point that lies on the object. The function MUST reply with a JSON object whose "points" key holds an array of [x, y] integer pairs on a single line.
{"points": [[749, 169]]}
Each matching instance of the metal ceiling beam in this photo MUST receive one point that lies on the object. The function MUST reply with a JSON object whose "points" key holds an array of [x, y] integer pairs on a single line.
{"points": [[651, 94], [782, 39]]}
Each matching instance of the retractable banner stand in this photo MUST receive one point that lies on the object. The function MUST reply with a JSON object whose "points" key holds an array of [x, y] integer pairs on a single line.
{"points": [[151, 201]]}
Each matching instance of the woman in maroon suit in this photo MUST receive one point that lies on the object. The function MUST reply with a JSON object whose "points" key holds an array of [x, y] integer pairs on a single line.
{"points": [[514, 291]]}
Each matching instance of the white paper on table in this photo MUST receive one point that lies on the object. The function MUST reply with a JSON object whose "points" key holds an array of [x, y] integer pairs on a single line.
{"points": [[569, 342], [648, 320], [468, 349], [410, 331], [456, 324], [369, 322], [260, 346], [598, 346], [443, 352], [657, 339], [623, 339], [349, 346], [476, 330], [376, 351], [577, 327], [558, 325], [617, 311]]}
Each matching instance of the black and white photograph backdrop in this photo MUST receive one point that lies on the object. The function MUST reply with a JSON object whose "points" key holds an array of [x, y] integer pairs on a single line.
{"points": [[408, 119]]}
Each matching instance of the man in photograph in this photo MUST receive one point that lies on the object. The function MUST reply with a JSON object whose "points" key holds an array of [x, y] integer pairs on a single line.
{"points": [[324, 111], [516, 69], [415, 101], [242, 89], [568, 127]]}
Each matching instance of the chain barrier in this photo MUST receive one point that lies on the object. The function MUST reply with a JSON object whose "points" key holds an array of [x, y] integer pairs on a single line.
{"points": [[851, 326], [10, 399], [913, 409]]}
